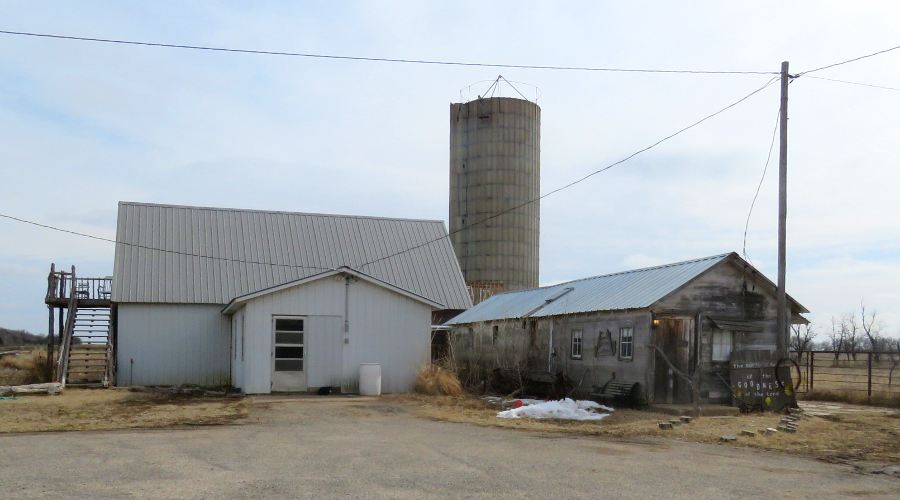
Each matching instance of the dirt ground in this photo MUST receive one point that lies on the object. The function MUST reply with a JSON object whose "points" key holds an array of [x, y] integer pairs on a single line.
{"points": [[826, 431], [105, 409], [356, 447]]}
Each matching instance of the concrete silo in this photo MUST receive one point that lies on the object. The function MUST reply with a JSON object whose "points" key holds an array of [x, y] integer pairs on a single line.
{"points": [[495, 165]]}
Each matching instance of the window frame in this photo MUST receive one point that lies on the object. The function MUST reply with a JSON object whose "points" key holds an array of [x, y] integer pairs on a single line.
{"points": [[495, 334], [622, 343], [719, 333], [576, 340]]}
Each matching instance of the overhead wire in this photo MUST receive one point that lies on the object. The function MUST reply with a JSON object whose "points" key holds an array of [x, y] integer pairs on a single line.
{"points": [[827, 66], [853, 83], [157, 249], [581, 179], [428, 242], [759, 186], [312, 55]]}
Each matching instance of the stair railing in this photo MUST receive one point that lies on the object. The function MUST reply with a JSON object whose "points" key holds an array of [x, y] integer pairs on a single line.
{"points": [[66, 342], [109, 377]]}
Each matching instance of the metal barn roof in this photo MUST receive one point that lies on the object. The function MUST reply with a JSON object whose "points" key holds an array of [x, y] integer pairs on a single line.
{"points": [[625, 290], [211, 255]]}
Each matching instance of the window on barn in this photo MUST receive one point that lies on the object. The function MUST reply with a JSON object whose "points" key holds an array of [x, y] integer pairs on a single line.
{"points": [[577, 344], [288, 345], [495, 334], [626, 342], [722, 345]]}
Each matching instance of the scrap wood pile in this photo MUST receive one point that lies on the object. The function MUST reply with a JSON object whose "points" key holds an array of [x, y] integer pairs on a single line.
{"points": [[52, 388]]}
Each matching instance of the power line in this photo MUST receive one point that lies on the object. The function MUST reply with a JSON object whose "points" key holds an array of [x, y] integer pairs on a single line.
{"points": [[581, 179], [381, 59], [165, 250], [852, 83], [849, 60], [759, 186]]}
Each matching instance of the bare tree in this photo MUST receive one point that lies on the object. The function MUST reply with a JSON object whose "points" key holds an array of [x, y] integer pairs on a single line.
{"points": [[836, 337], [871, 327], [853, 335], [802, 338]]}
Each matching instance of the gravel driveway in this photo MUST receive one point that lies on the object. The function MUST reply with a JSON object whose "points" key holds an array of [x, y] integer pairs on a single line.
{"points": [[366, 448]]}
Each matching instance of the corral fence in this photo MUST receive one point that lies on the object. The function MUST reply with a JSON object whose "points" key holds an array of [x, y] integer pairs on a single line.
{"points": [[866, 373]]}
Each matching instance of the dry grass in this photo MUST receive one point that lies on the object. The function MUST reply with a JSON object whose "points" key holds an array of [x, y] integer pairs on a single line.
{"points": [[437, 381], [868, 434], [889, 400], [24, 368], [105, 409]]}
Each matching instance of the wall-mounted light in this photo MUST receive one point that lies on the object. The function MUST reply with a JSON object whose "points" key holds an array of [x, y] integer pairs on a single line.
{"points": [[655, 322]]}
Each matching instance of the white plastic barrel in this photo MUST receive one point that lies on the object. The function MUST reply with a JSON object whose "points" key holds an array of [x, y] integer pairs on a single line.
{"points": [[370, 379]]}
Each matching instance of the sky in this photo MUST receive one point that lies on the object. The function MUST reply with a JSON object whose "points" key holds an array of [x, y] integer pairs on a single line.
{"points": [[85, 125]]}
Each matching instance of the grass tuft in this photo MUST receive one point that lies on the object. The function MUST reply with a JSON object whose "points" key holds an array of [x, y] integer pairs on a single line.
{"points": [[435, 380], [24, 368]]}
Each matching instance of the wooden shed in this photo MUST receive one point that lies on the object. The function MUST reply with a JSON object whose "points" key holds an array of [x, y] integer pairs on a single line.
{"points": [[643, 326]]}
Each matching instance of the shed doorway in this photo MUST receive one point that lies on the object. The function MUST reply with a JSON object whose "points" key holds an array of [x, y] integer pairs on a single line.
{"points": [[288, 374], [675, 337]]}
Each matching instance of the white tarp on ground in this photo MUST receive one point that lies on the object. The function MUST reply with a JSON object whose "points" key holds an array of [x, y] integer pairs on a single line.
{"points": [[564, 409]]}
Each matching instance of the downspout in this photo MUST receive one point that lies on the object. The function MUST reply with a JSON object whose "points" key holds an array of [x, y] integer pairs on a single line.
{"points": [[346, 309], [550, 349]]}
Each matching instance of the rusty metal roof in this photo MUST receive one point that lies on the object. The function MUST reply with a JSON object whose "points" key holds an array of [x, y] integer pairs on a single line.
{"points": [[199, 255], [635, 289]]}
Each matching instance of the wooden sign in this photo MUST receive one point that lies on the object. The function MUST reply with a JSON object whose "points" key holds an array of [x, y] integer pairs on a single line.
{"points": [[756, 386]]}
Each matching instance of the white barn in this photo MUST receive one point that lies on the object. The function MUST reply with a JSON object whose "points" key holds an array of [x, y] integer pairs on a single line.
{"points": [[276, 301]]}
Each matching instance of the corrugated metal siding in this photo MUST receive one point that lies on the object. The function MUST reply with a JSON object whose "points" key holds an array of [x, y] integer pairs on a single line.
{"points": [[323, 350], [280, 247], [172, 344], [626, 290], [385, 327]]}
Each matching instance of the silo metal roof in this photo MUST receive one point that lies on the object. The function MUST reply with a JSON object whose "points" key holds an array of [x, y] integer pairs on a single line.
{"points": [[635, 289], [178, 254]]}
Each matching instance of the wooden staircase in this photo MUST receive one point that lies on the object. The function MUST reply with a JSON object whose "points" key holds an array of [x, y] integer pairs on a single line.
{"points": [[90, 350], [86, 330]]}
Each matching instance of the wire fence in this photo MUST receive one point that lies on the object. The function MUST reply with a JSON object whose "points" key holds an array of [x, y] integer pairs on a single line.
{"points": [[866, 373]]}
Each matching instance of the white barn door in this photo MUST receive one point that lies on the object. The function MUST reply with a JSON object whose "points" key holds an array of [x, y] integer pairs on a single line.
{"points": [[324, 347]]}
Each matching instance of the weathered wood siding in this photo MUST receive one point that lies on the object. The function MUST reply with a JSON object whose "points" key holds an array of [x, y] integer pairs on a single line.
{"points": [[519, 341], [725, 291]]}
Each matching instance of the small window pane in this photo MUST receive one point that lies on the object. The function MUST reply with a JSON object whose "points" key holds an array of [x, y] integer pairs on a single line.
{"points": [[576, 344], [626, 343], [289, 337], [288, 365], [288, 352], [294, 325]]}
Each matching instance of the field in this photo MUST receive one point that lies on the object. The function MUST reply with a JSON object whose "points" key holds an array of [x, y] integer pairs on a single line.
{"points": [[868, 379]]}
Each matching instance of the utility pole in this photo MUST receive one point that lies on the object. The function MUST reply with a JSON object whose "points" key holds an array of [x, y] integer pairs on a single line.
{"points": [[782, 320]]}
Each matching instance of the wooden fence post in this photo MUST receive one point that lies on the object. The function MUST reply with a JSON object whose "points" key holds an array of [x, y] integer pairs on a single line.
{"points": [[869, 363], [812, 369]]}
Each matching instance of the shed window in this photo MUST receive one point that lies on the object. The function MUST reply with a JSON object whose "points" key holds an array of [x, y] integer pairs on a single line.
{"points": [[495, 334], [722, 341], [626, 342], [576, 344], [288, 345]]}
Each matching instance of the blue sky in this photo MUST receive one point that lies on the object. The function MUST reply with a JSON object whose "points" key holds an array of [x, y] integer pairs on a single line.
{"points": [[86, 125]]}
